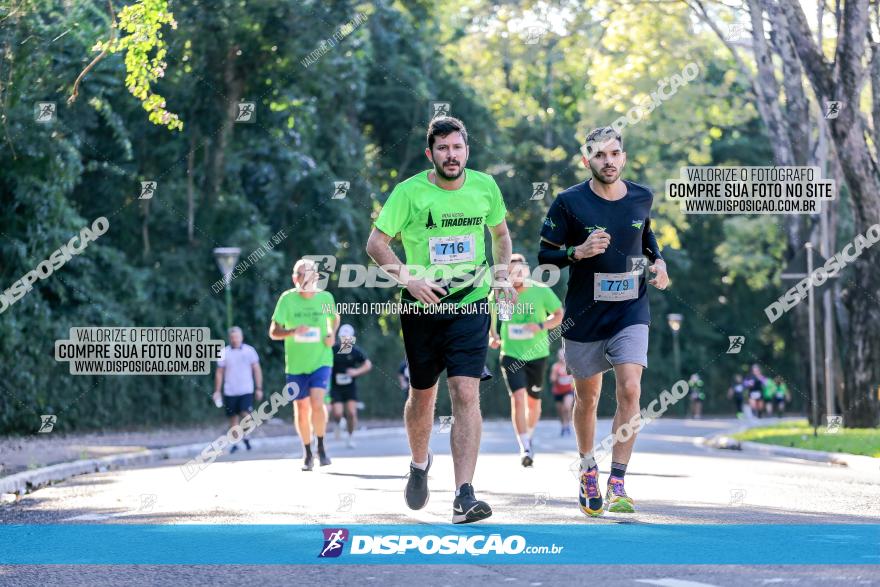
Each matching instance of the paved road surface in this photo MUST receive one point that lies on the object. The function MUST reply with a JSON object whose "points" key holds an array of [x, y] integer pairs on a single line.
{"points": [[672, 478]]}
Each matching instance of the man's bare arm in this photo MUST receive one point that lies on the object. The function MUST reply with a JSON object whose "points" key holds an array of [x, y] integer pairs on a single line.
{"points": [[258, 375], [276, 332], [502, 247], [379, 250], [501, 250]]}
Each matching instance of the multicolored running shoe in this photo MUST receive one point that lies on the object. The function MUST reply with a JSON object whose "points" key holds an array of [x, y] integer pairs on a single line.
{"points": [[590, 497], [616, 499]]}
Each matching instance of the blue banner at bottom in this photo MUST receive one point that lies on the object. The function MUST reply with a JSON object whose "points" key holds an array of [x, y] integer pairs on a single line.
{"points": [[654, 544]]}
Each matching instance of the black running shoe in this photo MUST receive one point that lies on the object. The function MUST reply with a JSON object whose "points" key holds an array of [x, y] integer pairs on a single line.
{"points": [[323, 458], [416, 492], [308, 462], [527, 458], [466, 508]]}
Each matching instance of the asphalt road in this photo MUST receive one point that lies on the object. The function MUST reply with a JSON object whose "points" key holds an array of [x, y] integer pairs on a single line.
{"points": [[673, 479]]}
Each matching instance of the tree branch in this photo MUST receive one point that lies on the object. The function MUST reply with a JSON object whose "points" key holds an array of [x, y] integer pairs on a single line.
{"points": [[813, 60], [75, 92], [700, 11], [851, 48]]}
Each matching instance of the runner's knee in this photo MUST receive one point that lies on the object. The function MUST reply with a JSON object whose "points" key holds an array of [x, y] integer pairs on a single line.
{"points": [[464, 398], [587, 393], [628, 391]]}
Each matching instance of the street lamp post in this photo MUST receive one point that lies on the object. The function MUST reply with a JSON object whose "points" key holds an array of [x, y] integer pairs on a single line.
{"points": [[674, 321], [226, 258]]}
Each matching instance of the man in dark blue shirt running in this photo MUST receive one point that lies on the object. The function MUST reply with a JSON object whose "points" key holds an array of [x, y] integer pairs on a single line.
{"points": [[601, 230]]}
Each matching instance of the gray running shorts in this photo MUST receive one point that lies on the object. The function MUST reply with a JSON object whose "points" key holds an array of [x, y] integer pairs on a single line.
{"points": [[585, 359]]}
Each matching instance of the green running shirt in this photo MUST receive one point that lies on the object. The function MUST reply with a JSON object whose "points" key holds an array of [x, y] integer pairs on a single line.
{"points": [[306, 353], [520, 343], [442, 230]]}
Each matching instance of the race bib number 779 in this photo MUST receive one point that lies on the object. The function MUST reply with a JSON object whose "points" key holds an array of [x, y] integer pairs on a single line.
{"points": [[615, 287]]}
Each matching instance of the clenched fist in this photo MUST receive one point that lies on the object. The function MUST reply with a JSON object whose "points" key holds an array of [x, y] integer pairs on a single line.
{"points": [[595, 244]]}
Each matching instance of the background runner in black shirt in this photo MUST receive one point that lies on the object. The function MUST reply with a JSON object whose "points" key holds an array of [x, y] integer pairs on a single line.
{"points": [[347, 367]]}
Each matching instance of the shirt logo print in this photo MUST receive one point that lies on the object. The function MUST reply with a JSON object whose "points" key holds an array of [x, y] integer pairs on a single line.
{"points": [[430, 224]]}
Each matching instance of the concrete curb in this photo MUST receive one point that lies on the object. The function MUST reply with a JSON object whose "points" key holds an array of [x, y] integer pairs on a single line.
{"points": [[28, 481], [855, 462]]}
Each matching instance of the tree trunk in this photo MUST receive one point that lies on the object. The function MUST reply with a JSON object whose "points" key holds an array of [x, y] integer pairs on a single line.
{"points": [[768, 89], [190, 189], [234, 87], [145, 227], [843, 82]]}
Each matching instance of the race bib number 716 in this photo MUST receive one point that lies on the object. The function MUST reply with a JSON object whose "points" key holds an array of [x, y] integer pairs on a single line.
{"points": [[451, 249]]}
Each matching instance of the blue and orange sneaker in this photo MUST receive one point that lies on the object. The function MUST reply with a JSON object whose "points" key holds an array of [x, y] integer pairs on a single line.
{"points": [[590, 497], [616, 499]]}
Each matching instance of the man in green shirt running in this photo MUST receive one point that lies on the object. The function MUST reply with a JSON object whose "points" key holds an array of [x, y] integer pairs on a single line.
{"points": [[770, 389], [525, 347], [302, 320], [440, 216]]}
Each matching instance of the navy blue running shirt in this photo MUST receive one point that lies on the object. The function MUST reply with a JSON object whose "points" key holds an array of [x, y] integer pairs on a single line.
{"points": [[574, 214]]}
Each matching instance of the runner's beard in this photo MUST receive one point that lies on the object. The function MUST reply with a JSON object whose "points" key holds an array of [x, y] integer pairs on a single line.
{"points": [[438, 169], [602, 178]]}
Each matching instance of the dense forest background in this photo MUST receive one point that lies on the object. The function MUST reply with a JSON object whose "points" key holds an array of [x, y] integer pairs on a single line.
{"points": [[343, 92]]}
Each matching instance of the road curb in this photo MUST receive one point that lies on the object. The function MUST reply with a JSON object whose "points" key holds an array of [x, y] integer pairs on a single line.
{"points": [[855, 462], [28, 481]]}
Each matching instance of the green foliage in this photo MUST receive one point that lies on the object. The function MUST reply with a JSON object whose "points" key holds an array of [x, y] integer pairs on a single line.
{"points": [[356, 113], [752, 249], [145, 52]]}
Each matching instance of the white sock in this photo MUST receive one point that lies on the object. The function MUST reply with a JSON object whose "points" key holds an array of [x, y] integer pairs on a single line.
{"points": [[421, 466], [525, 442], [531, 433]]}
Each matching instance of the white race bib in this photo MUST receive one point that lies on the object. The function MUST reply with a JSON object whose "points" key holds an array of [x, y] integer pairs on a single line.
{"points": [[519, 332], [313, 334], [451, 249], [343, 379], [615, 287]]}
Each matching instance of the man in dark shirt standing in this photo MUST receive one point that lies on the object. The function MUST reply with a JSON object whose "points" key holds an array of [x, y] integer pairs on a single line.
{"points": [[601, 229], [349, 363]]}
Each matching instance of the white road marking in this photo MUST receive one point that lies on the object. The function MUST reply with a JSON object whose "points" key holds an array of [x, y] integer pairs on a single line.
{"points": [[99, 517], [670, 582], [87, 518]]}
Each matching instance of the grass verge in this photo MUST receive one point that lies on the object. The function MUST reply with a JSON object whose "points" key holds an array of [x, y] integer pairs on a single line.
{"points": [[857, 441]]}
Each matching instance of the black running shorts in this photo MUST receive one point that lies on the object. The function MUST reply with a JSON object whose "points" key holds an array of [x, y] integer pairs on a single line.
{"points": [[455, 343], [343, 393], [238, 404], [519, 374]]}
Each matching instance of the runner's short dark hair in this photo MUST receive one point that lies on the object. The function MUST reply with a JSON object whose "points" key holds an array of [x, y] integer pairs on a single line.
{"points": [[600, 136], [444, 125]]}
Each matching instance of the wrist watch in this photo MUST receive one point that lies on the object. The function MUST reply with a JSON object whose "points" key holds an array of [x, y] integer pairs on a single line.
{"points": [[569, 252], [541, 325]]}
